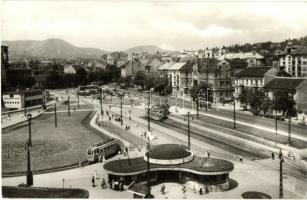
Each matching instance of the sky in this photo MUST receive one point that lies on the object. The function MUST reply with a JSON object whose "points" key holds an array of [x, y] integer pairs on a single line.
{"points": [[171, 25]]}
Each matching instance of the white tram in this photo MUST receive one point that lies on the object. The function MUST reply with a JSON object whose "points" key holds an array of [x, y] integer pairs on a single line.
{"points": [[103, 150]]}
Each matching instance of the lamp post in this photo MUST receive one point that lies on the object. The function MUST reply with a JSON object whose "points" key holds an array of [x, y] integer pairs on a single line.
{"points": [[78, 100], [148, 195], [275, 114], [121, 110], [29, 144], [55, 117], [189, 132], [148, 109], [68, 106], [234, 110], [207, 99], [281, 191]]}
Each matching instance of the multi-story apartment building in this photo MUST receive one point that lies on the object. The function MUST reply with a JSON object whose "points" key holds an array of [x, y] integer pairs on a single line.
{"points": [[294, 59], [175, 78], [218, 76], [214, 52]]}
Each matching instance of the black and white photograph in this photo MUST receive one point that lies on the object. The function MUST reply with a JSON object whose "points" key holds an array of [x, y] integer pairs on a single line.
{"points": [[164, 99]]}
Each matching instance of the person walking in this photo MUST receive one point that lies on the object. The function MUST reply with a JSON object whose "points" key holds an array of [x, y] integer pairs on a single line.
{"points": [[201, 191], [273, 156], [208, 154], [93, 181], [162, 189], [280, 154], [103, 184]]}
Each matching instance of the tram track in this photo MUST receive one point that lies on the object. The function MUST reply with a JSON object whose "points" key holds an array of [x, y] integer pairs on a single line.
{"points": [[222, 142]]}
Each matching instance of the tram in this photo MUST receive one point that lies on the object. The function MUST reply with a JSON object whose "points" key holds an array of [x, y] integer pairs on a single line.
{"points": [[158, 113], [103, 150]]}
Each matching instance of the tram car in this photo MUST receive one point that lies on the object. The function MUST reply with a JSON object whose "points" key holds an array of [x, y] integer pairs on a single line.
{"points": [[158, 113], [103, 150]]}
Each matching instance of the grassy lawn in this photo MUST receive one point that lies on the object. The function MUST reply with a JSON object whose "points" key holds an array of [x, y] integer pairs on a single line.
{"points": [[68, 143]]}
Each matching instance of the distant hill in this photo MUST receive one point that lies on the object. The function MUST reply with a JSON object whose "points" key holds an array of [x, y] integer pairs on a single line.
{"points": [[50, 48], [150, 49]]}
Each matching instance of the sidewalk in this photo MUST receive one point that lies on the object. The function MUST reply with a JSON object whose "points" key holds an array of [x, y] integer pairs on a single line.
{"points": [[14, 119]]}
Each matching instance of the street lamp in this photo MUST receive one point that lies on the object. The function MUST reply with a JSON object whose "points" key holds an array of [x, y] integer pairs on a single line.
{"points": [[148, 109], [234, 110], [148, 195], [55, 116], [68, 106], [29, 144]]}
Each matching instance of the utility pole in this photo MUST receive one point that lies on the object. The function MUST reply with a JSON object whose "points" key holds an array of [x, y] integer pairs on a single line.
{"points": [[197, 107], [289, 128], [78, 100], [281, 192], [55, 117], [68, 107], [148, 111], [29, 143], [275, 115], [189, 132], [24, 102], [148, 195], [121, 110], [234, 113], [207, 99]]}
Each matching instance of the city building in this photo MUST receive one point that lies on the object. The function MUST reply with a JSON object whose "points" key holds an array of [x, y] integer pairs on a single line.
{"points": [[22, 99], [189, 76], [69, 69], [163, 69], [174, 74], [131, 67], [18, 74], [217, 74], [169, 163], [257, 77], [214, 52], [253, 59], [297, 88], [294, 59]]}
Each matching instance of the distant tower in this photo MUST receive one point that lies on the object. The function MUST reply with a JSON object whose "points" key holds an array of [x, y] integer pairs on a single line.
{"points": [[4, 64]]}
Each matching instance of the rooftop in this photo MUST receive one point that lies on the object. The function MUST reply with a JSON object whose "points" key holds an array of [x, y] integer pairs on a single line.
{"points": [[284, 83], [169, 151], [254, 72], [198, 165], [177, 66]]}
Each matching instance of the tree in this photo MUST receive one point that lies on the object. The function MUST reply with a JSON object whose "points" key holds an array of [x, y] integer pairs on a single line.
{"points": [[255, 99], [81, 76], [243, 97], [194, 91], [162, 86], [283, 101], [54, 80], [151, 81], [140, 79]]}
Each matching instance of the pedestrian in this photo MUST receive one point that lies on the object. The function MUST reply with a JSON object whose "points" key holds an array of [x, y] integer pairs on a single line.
{"points": [[280, 154], [208, 154], [240, 158], [93, 181], [194, 188], [201, 191], [162, 189], [80, 163], [207, 190], [273, 156], [183, 189], [96, 175], [109, 118], [126, 128], [103, 184]]}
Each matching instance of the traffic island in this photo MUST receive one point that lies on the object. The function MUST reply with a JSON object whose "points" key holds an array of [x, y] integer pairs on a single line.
{"points": [[170, 163], [42, 192], [255, 195]]}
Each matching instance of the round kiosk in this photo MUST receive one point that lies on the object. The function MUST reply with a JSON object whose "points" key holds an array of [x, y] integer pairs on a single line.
{"points": [[170, 163]]}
